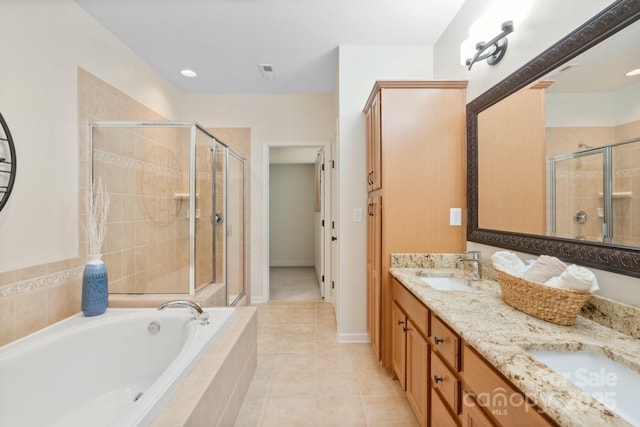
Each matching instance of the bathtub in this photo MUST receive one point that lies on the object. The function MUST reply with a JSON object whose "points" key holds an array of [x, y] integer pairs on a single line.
{"points": [[109, 370]]}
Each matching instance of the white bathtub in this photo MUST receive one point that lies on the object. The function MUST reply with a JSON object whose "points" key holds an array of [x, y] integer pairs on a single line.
{"points": [[102, 371]]}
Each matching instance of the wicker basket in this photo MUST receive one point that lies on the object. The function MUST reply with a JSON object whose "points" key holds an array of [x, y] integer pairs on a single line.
{"points": [[559, 306]]}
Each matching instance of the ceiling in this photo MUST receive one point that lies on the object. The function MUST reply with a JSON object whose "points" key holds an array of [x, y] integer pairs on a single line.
{"points": [[225, 40]]}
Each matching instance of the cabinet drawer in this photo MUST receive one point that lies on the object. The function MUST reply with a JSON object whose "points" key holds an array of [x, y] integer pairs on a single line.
{"points": [[505, 402], [443, 380], [440, 415], [445, 342], [416, 311]]}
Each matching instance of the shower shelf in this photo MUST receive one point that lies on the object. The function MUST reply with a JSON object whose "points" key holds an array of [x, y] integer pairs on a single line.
{"points": [[620, 194]]}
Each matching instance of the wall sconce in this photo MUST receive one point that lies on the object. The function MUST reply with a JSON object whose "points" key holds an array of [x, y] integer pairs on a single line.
{"points": [[494, 49]]}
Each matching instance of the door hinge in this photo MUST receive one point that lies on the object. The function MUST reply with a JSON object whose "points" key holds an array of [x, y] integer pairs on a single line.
{"points": [[323, 278], [333, 224], [333, 284], [323, 222], [333, 164], [322, 167]]}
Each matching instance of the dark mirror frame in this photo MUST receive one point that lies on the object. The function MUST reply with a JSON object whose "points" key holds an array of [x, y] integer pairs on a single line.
{"points": [[619, 259]]}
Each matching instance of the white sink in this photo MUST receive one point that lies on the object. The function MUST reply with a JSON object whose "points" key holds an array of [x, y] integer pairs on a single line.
{"points": [[446, 283], [610, 383]]}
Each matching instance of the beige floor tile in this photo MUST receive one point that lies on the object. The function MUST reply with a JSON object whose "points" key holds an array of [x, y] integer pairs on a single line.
{"points": [[340, 411], [389, 412], [294, 412], [292, 384], [337, 360], [305, 378], [336, 384], [287, 362], [377, 382]]}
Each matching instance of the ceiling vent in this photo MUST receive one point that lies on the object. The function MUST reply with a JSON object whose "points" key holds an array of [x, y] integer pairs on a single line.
{"points": [[267, 71]]}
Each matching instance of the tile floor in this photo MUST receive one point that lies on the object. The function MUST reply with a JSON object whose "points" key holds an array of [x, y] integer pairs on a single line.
{"points": [[305, 378], [293, 284]]}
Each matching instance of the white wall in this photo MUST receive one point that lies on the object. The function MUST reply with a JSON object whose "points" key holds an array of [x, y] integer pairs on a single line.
{"points": [[42, 44], [548, 21], [359, 68], [593, 109], [291, 215]]}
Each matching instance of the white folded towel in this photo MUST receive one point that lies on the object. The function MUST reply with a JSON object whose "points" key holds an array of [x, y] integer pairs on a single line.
{"points": [[578, 279], [508, 262], [544, 269]]}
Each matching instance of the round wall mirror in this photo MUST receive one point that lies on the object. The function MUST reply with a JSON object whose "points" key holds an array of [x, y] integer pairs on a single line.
{"points": [[7, 162]]}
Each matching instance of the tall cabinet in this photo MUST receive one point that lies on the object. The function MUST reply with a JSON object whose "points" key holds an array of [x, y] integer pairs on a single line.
{"points": [[415, 176]]}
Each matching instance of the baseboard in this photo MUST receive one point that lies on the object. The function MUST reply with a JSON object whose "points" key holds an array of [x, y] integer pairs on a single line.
{"points": [[259, 300], [292, 264], [353, 338]]}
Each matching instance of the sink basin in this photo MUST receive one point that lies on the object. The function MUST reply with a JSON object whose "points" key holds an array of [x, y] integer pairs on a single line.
{"points": [[446, 283], [610, 383]]}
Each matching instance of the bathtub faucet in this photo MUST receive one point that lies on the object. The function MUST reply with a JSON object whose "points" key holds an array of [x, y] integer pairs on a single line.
{"points": [[196, 310]]}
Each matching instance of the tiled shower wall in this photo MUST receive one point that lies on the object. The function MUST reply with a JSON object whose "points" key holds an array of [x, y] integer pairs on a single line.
{"points": [[145, 171], [41, 295], [580, 181]]}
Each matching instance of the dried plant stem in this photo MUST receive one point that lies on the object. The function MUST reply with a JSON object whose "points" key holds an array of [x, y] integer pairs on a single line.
{"points": [[97, 205]]}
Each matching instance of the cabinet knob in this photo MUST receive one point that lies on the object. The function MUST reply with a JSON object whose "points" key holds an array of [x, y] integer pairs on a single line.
{"points": [[437, 340], [400, 322], [405, 329], [437, 379]]}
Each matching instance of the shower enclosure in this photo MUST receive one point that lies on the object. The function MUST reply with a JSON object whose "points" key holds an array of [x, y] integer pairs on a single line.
{"points": [[176, 223], [593, 194]]}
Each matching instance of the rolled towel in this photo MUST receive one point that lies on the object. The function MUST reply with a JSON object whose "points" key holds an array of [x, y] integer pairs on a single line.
{"points": [[544, 269], [508, 262], [578, 278], [554, 282]]}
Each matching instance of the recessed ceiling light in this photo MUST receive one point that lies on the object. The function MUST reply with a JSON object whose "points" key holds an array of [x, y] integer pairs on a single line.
{"points": [[633, 72], [188, 73], [267, 71]]}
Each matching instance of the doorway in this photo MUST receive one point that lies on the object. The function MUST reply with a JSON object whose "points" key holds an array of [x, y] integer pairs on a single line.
{"points": [[297, 232]]}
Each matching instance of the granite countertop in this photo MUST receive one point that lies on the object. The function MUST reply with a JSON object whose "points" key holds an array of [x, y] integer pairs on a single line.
{"points": [[501, 334]]}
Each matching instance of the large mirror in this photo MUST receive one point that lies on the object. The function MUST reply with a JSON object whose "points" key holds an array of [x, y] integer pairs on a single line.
{"points": [[550, 150]]}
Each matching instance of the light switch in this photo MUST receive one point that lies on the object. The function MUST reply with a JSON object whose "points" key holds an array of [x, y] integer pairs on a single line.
{"points": [[357, 215], [455, 216]]}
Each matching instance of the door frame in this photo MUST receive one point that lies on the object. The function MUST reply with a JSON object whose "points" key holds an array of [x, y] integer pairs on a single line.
{"points": [[326, 200]]}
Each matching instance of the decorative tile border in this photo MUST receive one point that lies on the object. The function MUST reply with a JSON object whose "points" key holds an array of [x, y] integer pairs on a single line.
{"points": [[40, 282]]}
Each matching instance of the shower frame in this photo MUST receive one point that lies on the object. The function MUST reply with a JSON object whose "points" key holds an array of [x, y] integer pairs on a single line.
{"points": [[607, 185], [193, 128]]}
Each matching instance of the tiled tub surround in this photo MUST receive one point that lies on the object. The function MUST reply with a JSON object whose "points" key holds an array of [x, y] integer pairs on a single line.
{"points": [[214, 391], [501, 334]]}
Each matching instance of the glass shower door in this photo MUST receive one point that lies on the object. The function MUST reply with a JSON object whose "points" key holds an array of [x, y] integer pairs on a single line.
{"points": [[235, 228]]}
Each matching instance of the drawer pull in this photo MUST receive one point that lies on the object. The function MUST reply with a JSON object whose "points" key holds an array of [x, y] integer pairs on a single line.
{"points": [[437, 340], [437, 379]]}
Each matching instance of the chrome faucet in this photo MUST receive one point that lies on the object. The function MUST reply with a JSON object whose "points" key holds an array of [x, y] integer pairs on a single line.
{"points": [[475, 262], [196, 310]]}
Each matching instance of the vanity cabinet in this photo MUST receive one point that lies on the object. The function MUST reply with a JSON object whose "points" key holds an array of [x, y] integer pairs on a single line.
{"points": [[416, 167], [446, 381]]}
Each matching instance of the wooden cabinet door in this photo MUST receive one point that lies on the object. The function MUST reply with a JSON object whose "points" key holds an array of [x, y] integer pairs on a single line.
{"points": [[374, 267], [472, 414], [440, 415], [399, 344], [374, 146], [417, 373]]}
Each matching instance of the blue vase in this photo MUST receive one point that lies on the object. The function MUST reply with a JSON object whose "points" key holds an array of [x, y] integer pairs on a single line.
{"points": [[95, 292]]}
